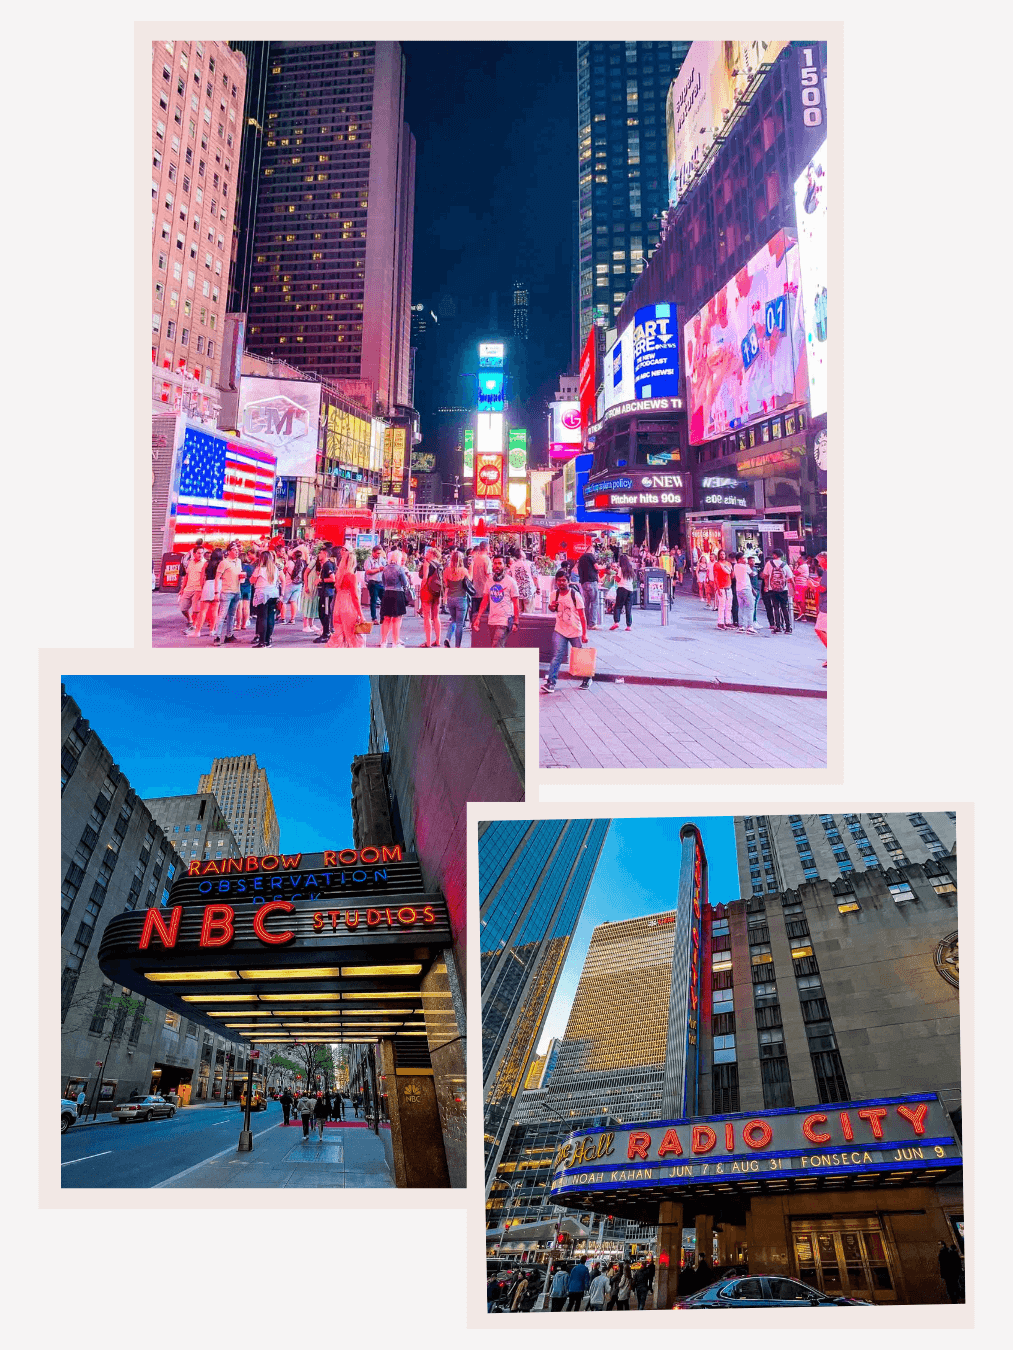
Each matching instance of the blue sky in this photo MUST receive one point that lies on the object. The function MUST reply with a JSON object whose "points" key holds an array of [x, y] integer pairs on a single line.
{"points": [[638, 873], [164, 731]]}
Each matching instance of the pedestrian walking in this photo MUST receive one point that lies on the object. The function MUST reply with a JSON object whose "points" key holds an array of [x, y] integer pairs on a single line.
{"points": [[723, 589], [305, 1106], [624, 1288], [394, 604], [491, 1292], [347, 616], [577, 1283], [231, 581], [778, 578], [321, 1110], [291, 596], [703, 563], [520, 571], [326, 572], [571, 627], [481, 570], [502, 602], [519, 1290], [952, 1272], [587, 575], [746, 599], [430, 595], [625, 588], [641, 1285], [821, 617], [286, 1105], [598, 1292], [310, 599], [373, 569], [457, 580], [266, 582], [81, 1100], [557, 1289]]}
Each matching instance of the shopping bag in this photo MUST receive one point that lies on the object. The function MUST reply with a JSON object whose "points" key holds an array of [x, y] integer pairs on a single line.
{"points": [[582, 661]]}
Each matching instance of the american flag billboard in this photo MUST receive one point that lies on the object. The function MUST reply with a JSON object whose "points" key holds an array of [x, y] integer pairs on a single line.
{"points": [[226, 487]]}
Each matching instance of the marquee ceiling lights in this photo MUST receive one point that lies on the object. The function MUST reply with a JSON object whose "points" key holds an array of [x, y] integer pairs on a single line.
{"points": [[382, 970], [319, 973], [382, 993], [174, 976], [219, 998], [294, 998]]}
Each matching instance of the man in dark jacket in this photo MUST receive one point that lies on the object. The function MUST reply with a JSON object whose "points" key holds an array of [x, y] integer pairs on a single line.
{"points": [[580, 1278], [286, 1104], [641, 1285], [587, 573], [952, 1272]]}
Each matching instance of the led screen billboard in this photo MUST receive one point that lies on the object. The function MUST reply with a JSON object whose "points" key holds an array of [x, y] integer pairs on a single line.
{"points": [[564, 436], [655, 352], [713, 79], [490, 354], [224, 488], [588, 378], [745, 350], [489, 433], [811, 219], [488, 476], [517, 451], [540, 480], [469, 454], [517, 495], [617, 377], [423, 461], [283, 416]]}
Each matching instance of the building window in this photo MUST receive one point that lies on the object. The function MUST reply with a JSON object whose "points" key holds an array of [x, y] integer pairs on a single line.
{"points": [[775, 1078], [902, 892]]}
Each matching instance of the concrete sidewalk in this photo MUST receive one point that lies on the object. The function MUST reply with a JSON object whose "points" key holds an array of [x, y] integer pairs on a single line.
{"points": [[351, 1155]]}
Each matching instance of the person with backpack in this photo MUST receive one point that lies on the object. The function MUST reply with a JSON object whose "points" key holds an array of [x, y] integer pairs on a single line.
{"points": [[295, 570], [393, 606], [571, 627], [266, 589], [777, 578], [430, 595]]}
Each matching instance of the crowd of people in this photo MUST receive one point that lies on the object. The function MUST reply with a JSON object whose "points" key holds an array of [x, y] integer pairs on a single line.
{"points": [[609, 1285], [315, 1109], [225, 591]]}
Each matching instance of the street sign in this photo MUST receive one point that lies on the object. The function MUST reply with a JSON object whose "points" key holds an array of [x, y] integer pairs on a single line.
{"points": [[255, 1054]]}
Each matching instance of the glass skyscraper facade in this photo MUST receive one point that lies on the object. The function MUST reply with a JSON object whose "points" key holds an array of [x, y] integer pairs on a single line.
{"points": [[533, 879], [623, 166]]}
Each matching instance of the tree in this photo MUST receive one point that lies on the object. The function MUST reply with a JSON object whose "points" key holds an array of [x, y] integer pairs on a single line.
{"points": [[313, 1060], [94, 1009]]}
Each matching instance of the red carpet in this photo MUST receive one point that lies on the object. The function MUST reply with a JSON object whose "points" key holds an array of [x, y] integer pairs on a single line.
{"points": [[331, 1124]]}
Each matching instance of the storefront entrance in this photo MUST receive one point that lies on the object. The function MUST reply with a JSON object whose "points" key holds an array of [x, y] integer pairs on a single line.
{"points": [[845, 1256]]}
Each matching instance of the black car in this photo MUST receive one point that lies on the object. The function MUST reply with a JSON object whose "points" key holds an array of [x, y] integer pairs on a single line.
{"points": [[763, 1291]]}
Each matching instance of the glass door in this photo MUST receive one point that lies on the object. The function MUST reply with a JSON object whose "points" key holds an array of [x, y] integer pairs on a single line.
{"points": [[847, 1257]]}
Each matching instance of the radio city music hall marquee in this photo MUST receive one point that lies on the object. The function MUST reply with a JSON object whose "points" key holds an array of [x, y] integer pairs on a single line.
{"points": [[882, 1135]]}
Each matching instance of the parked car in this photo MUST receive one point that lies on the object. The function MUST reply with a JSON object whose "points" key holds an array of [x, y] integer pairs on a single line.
{"points": [[145, 1108], [68, 1114], [763, 1291], [259, 1102]]}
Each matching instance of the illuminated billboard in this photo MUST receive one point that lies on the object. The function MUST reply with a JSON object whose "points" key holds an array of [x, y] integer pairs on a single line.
{"points": [[540, 480], [517, 495], [283, 416], [491, 354], [488, 476], [469, 453], [617, 375], [655, 352], [489, 433], [394, 447], [714, 78], [423, 461], [811, 219], [224, 488], [517, 451], [745, 350], [564, 430], [588, 379]]}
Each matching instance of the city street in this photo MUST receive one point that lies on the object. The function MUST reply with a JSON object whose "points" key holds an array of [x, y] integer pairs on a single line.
{"points": [[197, 1148]]}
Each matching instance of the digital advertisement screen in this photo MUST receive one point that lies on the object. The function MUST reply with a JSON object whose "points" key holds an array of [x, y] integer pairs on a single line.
{"points": [[517, 495], [491, 354], [655, 352], [540, 480], [618, 370], [283, 416], [588, 379], [423, 461], [488, 475], [565, 426], [811, 219], [517, 451], [489, 433], [713, 79], [745, 350], [469, 453]]}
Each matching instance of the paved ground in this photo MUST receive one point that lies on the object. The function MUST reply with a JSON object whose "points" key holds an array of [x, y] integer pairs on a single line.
{"points": [[661, 697], [197, 1148]]}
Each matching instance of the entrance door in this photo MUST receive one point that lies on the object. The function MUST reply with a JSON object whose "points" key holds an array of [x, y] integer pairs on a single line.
{"points": [[845, 1256]]}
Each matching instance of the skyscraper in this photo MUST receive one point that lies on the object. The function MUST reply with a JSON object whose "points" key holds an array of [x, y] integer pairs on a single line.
{"points": [[780, 852], [244, 796], [533, 880], [197, 92], [330, 285], [196, 824], [623, 166]]}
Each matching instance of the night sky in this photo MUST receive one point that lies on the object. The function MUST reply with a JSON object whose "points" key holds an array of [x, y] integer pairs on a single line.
{"points": [[495, 125]]}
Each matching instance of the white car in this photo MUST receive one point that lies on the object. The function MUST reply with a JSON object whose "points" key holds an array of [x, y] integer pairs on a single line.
{"points": [[68, 1114]]}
